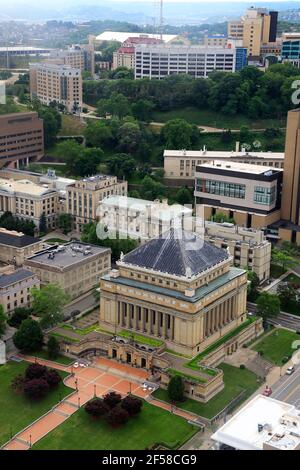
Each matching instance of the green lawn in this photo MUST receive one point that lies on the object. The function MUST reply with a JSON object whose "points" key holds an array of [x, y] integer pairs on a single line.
{"points": [[71, 125], [16, 412], [80, 331], [153, 425], [236, 380], [215, 119], [141, 339], [292, 279], [64, 360], [277, 347]]}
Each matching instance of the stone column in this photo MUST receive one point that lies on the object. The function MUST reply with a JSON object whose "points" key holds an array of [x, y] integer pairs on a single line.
{"points": [[165, 325], [149, 326], [137, 309], [156, 326], [128, 312], [143, 319], [172, 326]]}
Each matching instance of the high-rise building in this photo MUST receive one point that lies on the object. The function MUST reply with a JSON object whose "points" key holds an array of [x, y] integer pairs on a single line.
{"points": [[21, 139], [50, 82], [78, 56], [125, 55], [159, 61], [257, 27]]}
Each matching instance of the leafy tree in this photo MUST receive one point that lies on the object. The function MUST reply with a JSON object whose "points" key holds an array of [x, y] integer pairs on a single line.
{"points": [[287, 294], [3, 319], [282, 258], [143, 110], [80, 161], [8, 221], [112, 399], [132, 405], [98, 134], [117, 105], [65, 223], [52, 378], [252, 291], [35, 371], [53, 347], [36, 389], [244, 133], [121, 165], [117, 416], [184, 196], [20, 314], [152, 189], [268, 305], [129, 136], [51, 312], [29, 336], [177, 134], [176, 388], [52, 121], [96, 408], [43, 223]]}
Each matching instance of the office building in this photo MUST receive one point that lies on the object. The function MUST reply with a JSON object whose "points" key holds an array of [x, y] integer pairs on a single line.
{"points": [[15, 247], [83, 197], [78, 56], [262, 424], [125, 55], [248, 247], [215, 40], [139, 218], [290, 50], [181, 164], [50, 82], [15, 287], [29, 201], [257, 27], [176, 287], [249, 194], [159, 61], [76, 267], [21, 139]]}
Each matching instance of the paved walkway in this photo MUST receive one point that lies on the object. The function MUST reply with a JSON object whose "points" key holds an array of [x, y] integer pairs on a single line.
{"points": [[101, 377]]}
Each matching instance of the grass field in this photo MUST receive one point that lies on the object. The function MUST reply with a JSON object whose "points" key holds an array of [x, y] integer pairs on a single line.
{"points": [[153, 425], [16, 412], [277, 347], [71, 125], [215, 119], [60, 359], [236, 380]]}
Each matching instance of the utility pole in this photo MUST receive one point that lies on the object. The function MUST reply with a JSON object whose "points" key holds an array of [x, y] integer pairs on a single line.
{"points": [[161, 19]]}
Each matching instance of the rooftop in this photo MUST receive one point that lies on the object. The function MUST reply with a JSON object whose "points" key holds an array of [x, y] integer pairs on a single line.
{"points": [[64, 256], [16, 239], [263, 420], [176, 252], [24, 187], [240, 167], [121, 36], [17, 276], [222, 154], [160, 210]]}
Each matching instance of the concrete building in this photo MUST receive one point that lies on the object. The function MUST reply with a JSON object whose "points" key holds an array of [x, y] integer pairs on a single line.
{"points": [[262, 424], [181, 164], [125, 55], [15, 247], [21, 139], [83, 197], [77, 56], [290, 50], [76, 267], [19, 51], [139, 218], [257, 27], [159, 61], [249, 194], [249, 248], [15, 289], [28, 201], [215, 40], [176, 287], [50, 82]]}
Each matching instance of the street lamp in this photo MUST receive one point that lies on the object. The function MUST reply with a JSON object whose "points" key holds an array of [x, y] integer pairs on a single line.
{"points": [[95, 394], [30, 443], [78, 402]]}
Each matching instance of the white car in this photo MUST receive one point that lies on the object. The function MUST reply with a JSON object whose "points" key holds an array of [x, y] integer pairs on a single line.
{"points": [[290, 370]]}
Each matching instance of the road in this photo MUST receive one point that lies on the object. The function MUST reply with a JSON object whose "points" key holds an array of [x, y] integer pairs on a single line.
{"points": [[287, 388], [283, 319], [83, 304]]}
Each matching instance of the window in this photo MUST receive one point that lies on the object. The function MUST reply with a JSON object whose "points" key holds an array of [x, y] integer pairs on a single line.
{"points": [[221, 188], [264, 195]]}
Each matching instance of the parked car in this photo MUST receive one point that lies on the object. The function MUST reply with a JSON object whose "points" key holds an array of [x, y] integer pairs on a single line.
{"points": [[290, 370]]}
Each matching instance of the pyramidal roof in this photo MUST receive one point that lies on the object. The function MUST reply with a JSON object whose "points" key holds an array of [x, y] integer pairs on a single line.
{"points": [[176, 252]]}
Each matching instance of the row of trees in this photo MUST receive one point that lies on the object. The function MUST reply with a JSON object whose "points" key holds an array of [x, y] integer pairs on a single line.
{"points": [[250, 92], [8, 221]]}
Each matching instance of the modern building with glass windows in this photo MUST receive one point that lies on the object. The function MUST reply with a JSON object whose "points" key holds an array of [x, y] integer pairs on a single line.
{"points": [[249, 194], [290, 51]]}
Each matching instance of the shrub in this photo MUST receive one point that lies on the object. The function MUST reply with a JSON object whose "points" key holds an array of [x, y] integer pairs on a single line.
{"points": [[242, 366], [96, 408], [176, 388], [36, 389], [52, 378], [117, 416], [35, 371], [112, 399], [132, 405], [17, 383]]}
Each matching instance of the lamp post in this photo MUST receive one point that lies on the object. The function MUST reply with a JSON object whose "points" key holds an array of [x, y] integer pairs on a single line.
{"points": [[95, 393], [30, 442], [76, 385], [78, 402]]}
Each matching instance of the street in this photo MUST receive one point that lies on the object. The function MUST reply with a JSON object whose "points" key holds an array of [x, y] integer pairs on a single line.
{"points": [[82, 304], [287, 388], [283, 319]]}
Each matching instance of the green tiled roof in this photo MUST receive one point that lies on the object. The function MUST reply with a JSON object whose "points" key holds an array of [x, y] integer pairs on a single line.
{"points": [[200, 293]]}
